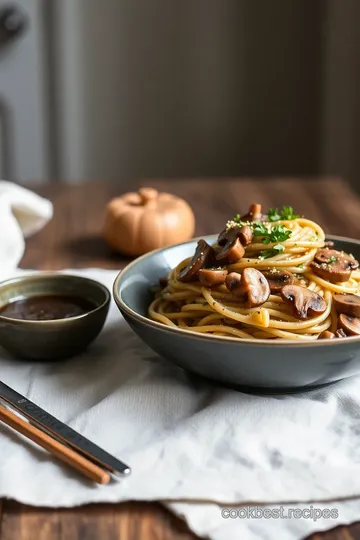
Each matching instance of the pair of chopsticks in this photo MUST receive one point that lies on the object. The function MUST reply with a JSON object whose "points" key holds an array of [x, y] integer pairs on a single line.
{"points": [[62, 452], [57, 438]]}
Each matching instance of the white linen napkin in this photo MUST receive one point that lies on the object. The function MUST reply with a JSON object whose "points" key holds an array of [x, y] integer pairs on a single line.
{"points": [[22, 213], [190, 443]]}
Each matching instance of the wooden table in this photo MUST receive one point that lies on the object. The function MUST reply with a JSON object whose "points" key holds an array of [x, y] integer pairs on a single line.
{"points": [[73, 239]]}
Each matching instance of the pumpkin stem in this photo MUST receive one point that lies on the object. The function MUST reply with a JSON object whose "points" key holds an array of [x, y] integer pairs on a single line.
{"points": [[147, 194]]}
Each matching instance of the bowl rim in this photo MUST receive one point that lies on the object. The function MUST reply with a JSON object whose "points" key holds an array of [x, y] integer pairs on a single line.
{"points": [[222, 339], [40, 276]]}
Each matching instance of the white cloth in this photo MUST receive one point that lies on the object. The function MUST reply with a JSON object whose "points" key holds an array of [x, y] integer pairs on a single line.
{"points": [[22, 213], [189, 443]]}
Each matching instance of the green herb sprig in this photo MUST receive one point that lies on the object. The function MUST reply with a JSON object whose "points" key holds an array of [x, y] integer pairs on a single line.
{"points": [[237, 219], [266, 254], [278, 233], [286, 213]]}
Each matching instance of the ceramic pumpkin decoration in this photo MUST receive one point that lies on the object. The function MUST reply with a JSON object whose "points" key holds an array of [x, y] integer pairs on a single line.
{"points": [[136, 223]]}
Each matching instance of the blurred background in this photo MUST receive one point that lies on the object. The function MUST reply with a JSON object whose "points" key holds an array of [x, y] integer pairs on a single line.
{"points": [[130, 89]]}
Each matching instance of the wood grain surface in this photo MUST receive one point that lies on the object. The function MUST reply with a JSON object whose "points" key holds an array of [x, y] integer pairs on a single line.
{"points": [[73, 240]]}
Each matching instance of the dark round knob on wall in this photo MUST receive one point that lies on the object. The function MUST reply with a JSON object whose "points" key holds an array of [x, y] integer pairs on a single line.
{"points": [[13, 22]]}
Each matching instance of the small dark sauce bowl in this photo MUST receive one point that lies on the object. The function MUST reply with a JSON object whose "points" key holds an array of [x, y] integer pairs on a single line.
{"points": [[55, 339]]}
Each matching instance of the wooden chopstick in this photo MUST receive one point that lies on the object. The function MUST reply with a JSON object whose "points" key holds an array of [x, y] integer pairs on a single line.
{"points": [[64, 453]]}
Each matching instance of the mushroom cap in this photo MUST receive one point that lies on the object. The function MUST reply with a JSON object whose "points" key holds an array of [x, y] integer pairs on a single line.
{"points": [[251, 286], [254, 213], [231, 252], [304, 301], [204, 255], [210, 277], [324, 255], [332, 265], [233, 284], [349, 304], [351, 325], [277, 279], [226, 234], [340, 333], [326, 334], [244, 233]]}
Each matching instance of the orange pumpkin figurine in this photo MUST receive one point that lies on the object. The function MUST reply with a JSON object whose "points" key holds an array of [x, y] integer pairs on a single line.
{"points": [[136, 223]]}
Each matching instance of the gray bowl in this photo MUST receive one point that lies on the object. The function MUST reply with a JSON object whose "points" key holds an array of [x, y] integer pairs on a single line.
{"points": [[52, 339], [281, 366]]}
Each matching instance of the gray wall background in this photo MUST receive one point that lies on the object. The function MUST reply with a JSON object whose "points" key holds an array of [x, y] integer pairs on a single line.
{"points": [[204, 87], [169, 88]]}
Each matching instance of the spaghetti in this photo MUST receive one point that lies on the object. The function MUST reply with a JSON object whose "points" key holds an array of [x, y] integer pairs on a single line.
{"points": [[279, 246]]}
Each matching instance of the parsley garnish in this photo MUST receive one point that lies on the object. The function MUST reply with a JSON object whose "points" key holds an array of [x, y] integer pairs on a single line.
{"points": [[273, 214], [259, 229], [237, 219], [279, 248], [271, 235], [278, 233], [300, 266], [332, 259], [286, 213]]}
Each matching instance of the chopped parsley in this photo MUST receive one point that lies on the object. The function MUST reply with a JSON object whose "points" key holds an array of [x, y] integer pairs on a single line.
{"points": [[273, 214], [286, 213], [332, 259], [266, 254], [278, 233], [300, 266], [259, 229], [237, 219]]}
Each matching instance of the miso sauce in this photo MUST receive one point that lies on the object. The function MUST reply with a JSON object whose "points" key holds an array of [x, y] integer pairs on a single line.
{"points": [[47, 307]]}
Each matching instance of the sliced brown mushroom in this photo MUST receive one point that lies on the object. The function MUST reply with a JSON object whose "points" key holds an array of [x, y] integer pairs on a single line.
{"points": [[326, 334], [349, 304], [231, 252], [332, 265], [304, 302], [210, 277], [251, 286], [204, 255], [350, 325], [244, 233], [254, 213], [227, 234], [234, 284], [278, 278], [340, 333]]}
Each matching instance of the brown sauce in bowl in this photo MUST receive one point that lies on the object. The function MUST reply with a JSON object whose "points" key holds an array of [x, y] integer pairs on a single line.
{"points": [[47, 307]]}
